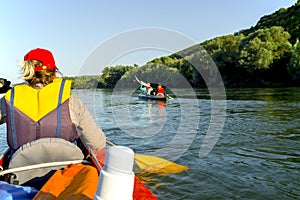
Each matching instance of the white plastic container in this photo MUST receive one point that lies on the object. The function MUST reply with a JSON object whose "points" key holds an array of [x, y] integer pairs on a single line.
{"points": [[116, 178]]}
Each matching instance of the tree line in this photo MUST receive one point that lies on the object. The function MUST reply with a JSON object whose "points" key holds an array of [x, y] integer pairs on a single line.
{"points": [[266, 55]]}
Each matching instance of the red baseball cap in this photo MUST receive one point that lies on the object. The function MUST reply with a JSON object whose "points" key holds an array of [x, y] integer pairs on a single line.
{"points": [[42, 55]]}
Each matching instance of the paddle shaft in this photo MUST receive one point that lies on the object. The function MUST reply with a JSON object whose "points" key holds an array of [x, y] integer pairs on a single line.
{"points": [[169, 96], [110, 143], [91, 154]]}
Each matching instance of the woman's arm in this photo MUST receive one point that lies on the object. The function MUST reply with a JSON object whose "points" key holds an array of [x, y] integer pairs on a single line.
{"points": [[82, 118]]}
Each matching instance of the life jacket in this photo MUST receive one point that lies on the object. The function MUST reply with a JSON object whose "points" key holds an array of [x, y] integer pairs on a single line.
{"points": [[34, 114], [161, 91], [143, 88], [148, 87]]}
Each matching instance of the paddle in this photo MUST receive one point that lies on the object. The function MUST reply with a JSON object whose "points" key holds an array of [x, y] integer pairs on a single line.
{"points": [[91, 154], [140, 82], [169, 96], [155, 164]]}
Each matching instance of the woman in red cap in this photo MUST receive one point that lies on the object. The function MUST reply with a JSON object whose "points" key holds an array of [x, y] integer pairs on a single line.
{"points": [[45, 106]]}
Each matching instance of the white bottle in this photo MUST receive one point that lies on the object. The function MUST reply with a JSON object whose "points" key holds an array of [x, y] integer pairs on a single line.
{"points": [[117, 177]]}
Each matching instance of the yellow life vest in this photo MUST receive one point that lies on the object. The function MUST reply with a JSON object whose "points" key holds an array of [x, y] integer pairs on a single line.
{"points": [[33, 114]]}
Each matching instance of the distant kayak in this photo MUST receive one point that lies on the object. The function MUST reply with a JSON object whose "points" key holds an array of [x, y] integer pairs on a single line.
{"points": [[152, 91], [152, 97]]}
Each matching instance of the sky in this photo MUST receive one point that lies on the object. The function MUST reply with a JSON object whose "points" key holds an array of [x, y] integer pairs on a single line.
{"points": [[74, 29]]}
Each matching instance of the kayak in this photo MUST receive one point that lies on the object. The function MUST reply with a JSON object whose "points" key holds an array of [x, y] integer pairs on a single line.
{"points": [[152, 97], [145, 95], [57, 168]]}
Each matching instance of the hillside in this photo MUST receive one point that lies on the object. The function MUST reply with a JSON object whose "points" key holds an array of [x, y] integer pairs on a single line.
{"points": [[288, 18], [265, 55]]}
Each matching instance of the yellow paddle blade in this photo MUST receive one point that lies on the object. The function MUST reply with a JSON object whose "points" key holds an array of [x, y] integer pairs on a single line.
{"points": [[157, 165]]}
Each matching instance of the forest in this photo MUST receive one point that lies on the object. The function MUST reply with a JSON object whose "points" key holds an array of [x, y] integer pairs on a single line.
{"points": [[265, 55]]}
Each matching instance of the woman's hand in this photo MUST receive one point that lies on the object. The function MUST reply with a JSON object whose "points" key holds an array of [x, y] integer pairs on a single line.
{"points": [[4, 85]]}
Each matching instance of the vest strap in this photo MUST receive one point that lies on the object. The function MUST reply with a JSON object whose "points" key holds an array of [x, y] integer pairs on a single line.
{"points": [[12, 118], [61, 90]]}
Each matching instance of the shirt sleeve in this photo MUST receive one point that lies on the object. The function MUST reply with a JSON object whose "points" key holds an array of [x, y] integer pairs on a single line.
{"points": [[81, 117], [2, 111]]}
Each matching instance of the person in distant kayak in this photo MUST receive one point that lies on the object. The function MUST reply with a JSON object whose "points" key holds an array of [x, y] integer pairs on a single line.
{"points": [[44, 106], [160, 90], [149, 89], [143, 88]]}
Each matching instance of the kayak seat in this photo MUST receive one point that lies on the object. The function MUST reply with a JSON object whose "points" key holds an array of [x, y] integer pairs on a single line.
{"points": [[44, 150]]}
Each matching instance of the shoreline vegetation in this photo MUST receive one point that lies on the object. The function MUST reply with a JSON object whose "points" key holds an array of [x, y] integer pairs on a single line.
{"points": [[265, 55]]}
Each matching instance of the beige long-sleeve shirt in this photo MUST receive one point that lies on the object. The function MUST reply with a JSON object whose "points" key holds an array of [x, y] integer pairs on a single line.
{"points": [[81, 117]]}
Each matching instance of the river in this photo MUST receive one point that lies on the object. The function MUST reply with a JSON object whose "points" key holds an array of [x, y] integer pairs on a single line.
{"points": [[255, 156]]}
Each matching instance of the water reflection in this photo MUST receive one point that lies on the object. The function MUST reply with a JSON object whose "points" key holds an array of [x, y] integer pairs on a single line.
{"points": [[156, 110], [264, 94]]}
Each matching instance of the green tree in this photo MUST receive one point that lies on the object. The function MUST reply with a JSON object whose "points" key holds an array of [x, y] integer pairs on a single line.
{"points": [[259, 49], [84, 82], [288, 18], [227, 53], [111, 75], [178, 62], [153, 73], [294, 65]]}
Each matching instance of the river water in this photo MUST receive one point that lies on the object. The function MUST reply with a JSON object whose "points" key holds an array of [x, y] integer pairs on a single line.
{"points": [[254, 140]]}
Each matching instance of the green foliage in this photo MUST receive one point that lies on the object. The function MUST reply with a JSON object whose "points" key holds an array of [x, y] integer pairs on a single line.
{"points": [[287, 18], [294, 65], [151, 72], [84, 82], [228, 43], [260, 48], [111, 75], [176, 61], [227, 52]]}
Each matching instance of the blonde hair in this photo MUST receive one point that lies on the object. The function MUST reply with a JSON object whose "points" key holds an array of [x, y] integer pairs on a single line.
{"points": [[36, 79]]}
